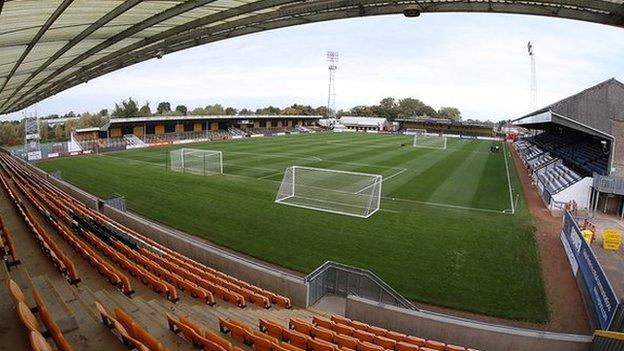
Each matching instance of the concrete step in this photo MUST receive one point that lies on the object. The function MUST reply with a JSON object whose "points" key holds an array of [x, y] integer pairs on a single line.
{"points": [[60, 311]]}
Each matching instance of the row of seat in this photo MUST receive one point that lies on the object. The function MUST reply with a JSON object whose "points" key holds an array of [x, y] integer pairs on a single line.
{"points": [[129, 331], [199, 337], [257, 339], [30, 321], [232, 289], [7, 246], [113, 275], [235, 288], [388, 339], [63, 263]]}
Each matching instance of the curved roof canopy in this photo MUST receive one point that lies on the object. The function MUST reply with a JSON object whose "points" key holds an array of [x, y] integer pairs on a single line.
{"points": [[49, 46]]}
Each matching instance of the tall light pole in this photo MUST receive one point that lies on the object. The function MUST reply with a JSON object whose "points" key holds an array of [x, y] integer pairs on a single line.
{"points": [[533, 95], [332, 59]]}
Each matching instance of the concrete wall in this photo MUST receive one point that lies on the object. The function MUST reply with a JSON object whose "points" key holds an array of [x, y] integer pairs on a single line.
{"points": [[460, 331], [252, 271]]}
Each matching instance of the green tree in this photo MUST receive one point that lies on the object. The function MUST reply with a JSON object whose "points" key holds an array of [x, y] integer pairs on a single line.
{"points": [[245, 112], [104, 112], [410, 107], [451, 113], [215, 110], [271, 110], [59, 132], [181, 109], [387, 108], [163, 107], [198, 111], [231, 111], [363, 111], [125, 109], [145, 110]]}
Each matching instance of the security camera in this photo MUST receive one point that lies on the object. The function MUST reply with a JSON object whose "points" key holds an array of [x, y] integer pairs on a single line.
{"points": [[159, 54], [411, 12]]}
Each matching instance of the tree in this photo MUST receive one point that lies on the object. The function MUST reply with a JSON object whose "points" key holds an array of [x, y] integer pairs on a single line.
{"points": [[104, 112], [362, 111], [387, 108], [245, 112], [320, 111], [181, 109], [44, 131], [271, 110], [127, 108], [145, 110], [231, 111], [163, 107], [409, 107], [198, 111], [59, 132], [427, 111], [215, 110], [451, 113]]}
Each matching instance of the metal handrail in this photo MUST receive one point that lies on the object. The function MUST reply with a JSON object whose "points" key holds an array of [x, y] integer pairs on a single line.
{"points": [[364, 273]]}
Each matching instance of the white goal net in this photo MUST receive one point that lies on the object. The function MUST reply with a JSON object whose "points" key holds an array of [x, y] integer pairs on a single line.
{"points": [[412, 131], [430, 141], [341, 192], [196, 161]]}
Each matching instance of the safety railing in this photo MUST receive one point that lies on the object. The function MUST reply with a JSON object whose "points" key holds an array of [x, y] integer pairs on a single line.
{"points": [[341, 279]]}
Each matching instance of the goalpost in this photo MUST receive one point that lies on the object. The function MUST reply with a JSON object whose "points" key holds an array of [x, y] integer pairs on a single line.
{"points": [[413, 131], [196, 161], [329, 190], [430, 141]]}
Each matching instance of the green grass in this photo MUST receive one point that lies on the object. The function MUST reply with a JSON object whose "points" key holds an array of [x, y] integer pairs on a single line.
{"points": [[441, 236]]}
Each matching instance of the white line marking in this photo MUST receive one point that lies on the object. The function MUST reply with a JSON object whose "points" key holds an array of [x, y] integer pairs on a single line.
{"points": [[513, 208]]}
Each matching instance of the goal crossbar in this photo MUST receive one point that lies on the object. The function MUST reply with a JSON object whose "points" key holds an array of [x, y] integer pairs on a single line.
{"points": [[342, 192], [197, 161]]}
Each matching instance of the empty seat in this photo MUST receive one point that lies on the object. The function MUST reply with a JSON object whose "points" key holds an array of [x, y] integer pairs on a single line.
{"points": [[38, 342], [323, 334], [323, 322]]}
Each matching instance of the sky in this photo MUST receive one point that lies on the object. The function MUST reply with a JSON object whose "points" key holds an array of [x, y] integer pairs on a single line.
{"points": [[475, 62]]}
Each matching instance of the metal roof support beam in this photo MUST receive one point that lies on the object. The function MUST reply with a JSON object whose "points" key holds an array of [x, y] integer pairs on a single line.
{"points": [[48, 23], [157, 18], [116, 12]]}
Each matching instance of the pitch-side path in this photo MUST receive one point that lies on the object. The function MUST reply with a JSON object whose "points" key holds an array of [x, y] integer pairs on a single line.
{"points": [[564, 300]]}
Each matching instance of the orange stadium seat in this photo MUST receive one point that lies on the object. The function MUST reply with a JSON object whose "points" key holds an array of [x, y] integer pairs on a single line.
{"points": [[435, 345], [300, 326], [363, 335], [343, 329], [271, 328], [395, 336], [340, 319], [50, 324], [415, 340], [323, 334], [296, 338], [38, 342], [322, 322], [367, 346], [346, 341], [321, 345], [376, 330], [404, 346], [236, 331], [384, 342], [357, 325], [16, 292], [450, 347], [28, 319], [226, 345]]}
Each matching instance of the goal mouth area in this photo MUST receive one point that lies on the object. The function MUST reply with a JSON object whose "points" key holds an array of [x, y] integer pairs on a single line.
{"points": [[340, 192], [196, 161], [435, 142]]}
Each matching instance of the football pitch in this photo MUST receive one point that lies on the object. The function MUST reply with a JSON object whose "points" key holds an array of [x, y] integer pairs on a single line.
{"points": [[445, 233]]}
